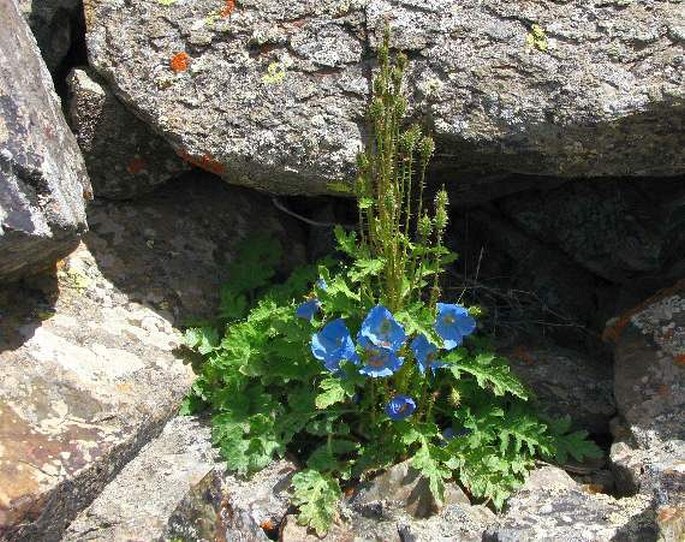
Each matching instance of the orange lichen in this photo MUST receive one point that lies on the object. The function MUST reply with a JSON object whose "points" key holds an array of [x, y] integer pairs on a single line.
{"points": [[206, 162], [228, 8], [680, 359], [136, 165], [664, 390], [180, 62], [614, 331]]}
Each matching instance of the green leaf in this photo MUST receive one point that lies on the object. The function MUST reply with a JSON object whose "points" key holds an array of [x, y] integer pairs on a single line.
{"points": [[427, 463], [366, 267], [347, 242], [317, 497], [201, 339], [489, 372], [334, 390]]}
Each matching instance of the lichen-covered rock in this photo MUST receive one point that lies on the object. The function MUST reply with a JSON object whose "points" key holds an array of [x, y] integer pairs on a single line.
{"points": [[273, 95], [123, 156], [43, 180], [90, 368], [649, 386], [552, 507]]}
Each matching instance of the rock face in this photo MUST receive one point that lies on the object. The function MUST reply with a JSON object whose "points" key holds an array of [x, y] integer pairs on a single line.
{"points": [[81, 392], [551, 506], [649, 385], [89, 365], [43, 180], [123, 156], [567, 383], [273, 95], [157, 485]]}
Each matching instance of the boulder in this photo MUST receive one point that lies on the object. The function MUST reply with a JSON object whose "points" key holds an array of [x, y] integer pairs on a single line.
{"points": [[628, 232], [274, 96], [172, 488], [123, 156], [43, 180], [649, 386], [566, 382], [90, 364], [551, 506], [85, 383]]}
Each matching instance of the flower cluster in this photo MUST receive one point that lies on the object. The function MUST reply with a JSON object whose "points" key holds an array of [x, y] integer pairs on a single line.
{"points": [[382, 345]]}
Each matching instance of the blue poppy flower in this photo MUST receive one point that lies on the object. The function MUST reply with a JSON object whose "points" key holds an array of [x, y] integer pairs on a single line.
{"points": [[453, 323], [378, 361], [333, 344], [425, 354], [308, 309], [400, 407], [381, 328]]}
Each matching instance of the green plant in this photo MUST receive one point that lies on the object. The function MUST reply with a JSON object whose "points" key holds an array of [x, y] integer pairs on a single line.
{"points": [[414, 382]]}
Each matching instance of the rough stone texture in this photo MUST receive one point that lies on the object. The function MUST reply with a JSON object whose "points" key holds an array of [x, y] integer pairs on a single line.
{"points": [[402, 487], [156, 489], [80, 394], [123, 156], [567, 383], [273, 94], [43, 180], [171, 248], [53, 23], [649, 386], [88, 371], [259, 502], [552, 507], [623, 230]]}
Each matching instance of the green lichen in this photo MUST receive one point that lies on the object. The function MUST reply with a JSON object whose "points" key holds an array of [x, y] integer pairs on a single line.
{"points": [[275, 73], [536, 38]]}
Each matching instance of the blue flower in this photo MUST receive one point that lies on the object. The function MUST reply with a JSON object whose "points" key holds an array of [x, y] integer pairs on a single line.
{"points": [[400, 407], [425, 354], [378, 361], [381, 328], [453, 323], [334, 344], [308, 309], [321, 284]]}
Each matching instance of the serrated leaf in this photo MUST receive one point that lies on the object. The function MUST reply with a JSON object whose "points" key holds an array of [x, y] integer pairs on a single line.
{"points": [[366, 267], [432, 469], [202, 339], [489, 371], [317, 497]]}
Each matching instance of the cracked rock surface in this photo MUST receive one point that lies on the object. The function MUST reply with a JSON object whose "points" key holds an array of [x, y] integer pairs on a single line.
{"points": [[272, 94], [43, 180]]}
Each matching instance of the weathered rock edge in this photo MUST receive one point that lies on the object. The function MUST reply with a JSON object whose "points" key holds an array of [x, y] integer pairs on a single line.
{"points": [[273, 95], [43, 180]]}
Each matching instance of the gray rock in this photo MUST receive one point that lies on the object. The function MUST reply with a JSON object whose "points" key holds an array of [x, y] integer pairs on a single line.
{"points": [[649, 386], [623, 231], [551, 507], [170, 249], [567, 383], [43, 181], [54, 23], [155, 496], [85, 383], [402, 487], [123, 156], [273, 95]]}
